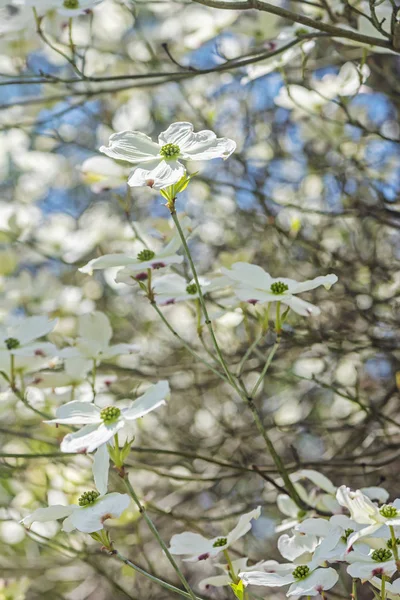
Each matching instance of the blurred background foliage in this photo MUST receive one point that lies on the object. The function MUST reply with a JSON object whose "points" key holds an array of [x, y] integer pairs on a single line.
{"points": [[312, 189]]}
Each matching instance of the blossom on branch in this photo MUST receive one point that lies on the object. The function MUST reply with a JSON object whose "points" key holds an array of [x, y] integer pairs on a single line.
{"points": [[157, 164]]}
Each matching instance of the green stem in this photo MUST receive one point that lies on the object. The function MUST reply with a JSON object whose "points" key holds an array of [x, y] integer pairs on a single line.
{"points": [[201, 297], [266, 366], [383, 588], [12, 370], [354, 590], [160, 582], [159, 539], [395, 549], [231, 570], [248, 353], [185, 344], [94, 372]]}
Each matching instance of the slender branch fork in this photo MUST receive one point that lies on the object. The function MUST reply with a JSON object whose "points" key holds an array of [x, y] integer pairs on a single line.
{"points": [[239, 389], [159, 539]]}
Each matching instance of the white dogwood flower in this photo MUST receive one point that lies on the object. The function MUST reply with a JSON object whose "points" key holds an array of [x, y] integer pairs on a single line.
{"points": [[365, 512], [157, 164], [18, 337], [366, 563], [304, 580], [253, 284], [197, 547], [134, 268], [100, 425], [66, 8], [93, 508], [333, 535]]}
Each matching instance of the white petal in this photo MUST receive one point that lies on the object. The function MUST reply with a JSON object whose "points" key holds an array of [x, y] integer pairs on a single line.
{"points": [[128, 274], [91, 518], [118, 349], [177, 133], [317, 479], [108, 260], [157, 174], [361, 508], [287, 506], [216, 581], [131, 146], [77, 413], [267, 579], [90, 437], [95, 327], [315, 526], [367, 570], [32, 328], [320, 579], [190, 543], [371, 529], [249, 275], [244, 525], [301, 307], [154, 397], [39, 349], [50, 513], [326, 280], [376, 494], [294, 546], [101, 465], [205, 145]]}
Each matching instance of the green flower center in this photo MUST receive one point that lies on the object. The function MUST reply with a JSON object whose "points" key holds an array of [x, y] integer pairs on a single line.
{"points": [[381, 555], [220, 542], [389, 543], [11, 343], [72, 4], [301, 572], [279, 287], [109, 414], [146, 255], [170, 151], [191, 288], [347, 533], [388, 511], [88, 498]]}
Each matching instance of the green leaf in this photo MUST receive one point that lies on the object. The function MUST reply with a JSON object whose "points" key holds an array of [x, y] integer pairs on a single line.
{"points": [[238, 589]]}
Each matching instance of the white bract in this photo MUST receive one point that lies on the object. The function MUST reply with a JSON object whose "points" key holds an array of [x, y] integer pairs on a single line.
{"points": [[102, 173], [100, 425], [95, 333], [196, 547], [67, 8], [18, 338], [307, 579], [253, 284], [239, 566], [93, 508], [157, 164]]}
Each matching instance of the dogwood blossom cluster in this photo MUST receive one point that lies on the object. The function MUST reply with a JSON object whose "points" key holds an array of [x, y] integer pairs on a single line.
{"points": [[337, 529]]}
